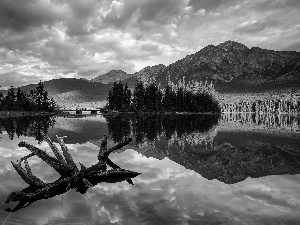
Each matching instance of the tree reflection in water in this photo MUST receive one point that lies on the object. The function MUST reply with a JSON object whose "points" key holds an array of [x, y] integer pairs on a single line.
{"points": [[70, 176], [189, 141], [27, 126], [150, 128]]}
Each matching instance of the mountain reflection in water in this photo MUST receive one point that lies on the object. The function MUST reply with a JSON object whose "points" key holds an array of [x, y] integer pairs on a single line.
{"points": [[189, 141]]}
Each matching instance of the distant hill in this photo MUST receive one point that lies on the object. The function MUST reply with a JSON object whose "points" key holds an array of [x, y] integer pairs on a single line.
{"points": [[75, 93]]}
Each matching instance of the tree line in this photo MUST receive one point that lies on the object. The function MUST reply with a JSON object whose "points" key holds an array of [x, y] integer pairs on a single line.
{"points": [[35, 100], [147, 96], [291, 106]]}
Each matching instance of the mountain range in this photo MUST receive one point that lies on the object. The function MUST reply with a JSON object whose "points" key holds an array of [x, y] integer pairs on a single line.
{"points": [[231, 66]]}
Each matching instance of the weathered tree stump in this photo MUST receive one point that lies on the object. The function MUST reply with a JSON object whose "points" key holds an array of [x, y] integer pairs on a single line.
{"points": [[71, 177]]}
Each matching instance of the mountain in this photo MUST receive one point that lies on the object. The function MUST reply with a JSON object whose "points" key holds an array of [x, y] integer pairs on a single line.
{"points": [[234, 67], [111, 77], [150, 71], [130, 79]]}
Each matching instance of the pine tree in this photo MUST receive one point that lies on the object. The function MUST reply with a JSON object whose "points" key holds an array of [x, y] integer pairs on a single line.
{"points": [[179, 99], [119, 97], [10, 100], [138, 99], [110, 100], [158, 100], [168, 99], [150, 96], [22, 102], [39, 96], [1, 100], [126, 98]]}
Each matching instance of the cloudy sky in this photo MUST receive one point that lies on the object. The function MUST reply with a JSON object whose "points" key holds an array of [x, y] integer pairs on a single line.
{"points": [[47, 39]]}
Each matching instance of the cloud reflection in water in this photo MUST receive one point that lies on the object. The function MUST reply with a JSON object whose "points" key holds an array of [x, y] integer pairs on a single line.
{"points": [[165, 193]]}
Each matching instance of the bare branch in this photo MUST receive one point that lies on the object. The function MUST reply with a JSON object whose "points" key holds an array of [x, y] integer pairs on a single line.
{"points": [[54, 149], [27, 176], [61, 168], [118, 146], [27, 156], [66, 153]]}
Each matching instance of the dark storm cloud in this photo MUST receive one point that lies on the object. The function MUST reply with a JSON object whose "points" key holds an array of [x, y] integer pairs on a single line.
{"points": [[12, 40], [268, 5], [208, 5], [144, 14], [36, 67], [161, 11], [82, 13], [149, 47], [89, 72], [20, 15]]}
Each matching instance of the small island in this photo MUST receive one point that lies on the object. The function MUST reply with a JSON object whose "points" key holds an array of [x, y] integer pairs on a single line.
{"points": [[148, 97]]}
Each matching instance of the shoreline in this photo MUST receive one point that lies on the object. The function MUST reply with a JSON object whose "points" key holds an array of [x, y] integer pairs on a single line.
{"points": [[115, 113], [5, 114]]}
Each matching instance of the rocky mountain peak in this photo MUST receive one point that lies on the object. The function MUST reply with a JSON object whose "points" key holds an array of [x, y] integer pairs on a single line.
{"points": [[111, 76], [232, 45], [233, 67]]}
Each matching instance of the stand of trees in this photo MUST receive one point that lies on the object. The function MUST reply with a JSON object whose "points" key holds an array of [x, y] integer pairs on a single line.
{"points": [[36, 100], [290, 106], [149, 97]]}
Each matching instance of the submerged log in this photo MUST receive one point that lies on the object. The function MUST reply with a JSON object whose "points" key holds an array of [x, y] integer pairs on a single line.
{"points": [[71, 176]]}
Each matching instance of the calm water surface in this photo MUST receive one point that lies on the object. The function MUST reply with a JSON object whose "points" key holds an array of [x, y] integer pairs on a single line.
{"points": [[237, 169]]}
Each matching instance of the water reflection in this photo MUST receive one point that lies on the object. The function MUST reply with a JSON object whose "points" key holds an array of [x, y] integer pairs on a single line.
{"points": [[281, 121], [166, 192], [191, 141], [151, 128], [27, 126]]}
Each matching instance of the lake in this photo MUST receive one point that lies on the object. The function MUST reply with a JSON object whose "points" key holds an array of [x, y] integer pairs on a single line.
{"points": [[195, 169]]}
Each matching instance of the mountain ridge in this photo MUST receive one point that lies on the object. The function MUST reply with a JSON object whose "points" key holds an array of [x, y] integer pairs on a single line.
{"points": [[234, 63]]}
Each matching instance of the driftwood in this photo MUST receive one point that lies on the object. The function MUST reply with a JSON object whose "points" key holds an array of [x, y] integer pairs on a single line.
{"points": [[71, 177]]}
